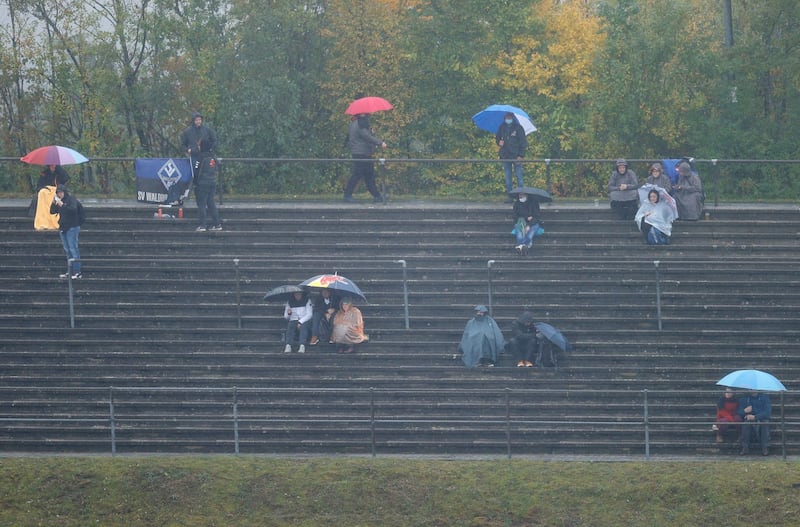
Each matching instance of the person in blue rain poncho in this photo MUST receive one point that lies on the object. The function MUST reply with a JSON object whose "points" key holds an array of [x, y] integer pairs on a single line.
{"points": [[482, 341]]}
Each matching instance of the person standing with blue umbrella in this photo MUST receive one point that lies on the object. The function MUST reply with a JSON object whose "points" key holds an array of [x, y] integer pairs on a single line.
{"points": [[511, 139]]}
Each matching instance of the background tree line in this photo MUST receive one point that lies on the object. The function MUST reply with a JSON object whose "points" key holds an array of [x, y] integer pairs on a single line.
{"points": [[600, 78]]}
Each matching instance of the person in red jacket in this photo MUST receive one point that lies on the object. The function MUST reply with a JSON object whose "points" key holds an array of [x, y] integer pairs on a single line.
{"points": [[727, 412]]}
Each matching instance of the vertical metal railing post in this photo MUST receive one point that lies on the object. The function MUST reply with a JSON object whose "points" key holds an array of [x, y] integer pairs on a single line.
{"points": [[405, 289], [783, 429], [716, 174], [238, 295], [658, 294], [384, 186], [236, 420], [508, 422], [646, 427], [71, 293], [372, 419], [111, 420], [547, 175], [489, 282]]}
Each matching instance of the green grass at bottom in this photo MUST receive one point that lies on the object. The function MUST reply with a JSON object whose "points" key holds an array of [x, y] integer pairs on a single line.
{"points": [[261, 491]]}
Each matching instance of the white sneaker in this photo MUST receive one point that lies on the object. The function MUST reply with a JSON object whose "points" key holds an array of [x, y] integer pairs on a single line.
{"points": [[301, 349], [287, 349]]}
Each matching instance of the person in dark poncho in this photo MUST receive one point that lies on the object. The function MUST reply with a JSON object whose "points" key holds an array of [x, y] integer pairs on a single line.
{"points": [[482, 341]]}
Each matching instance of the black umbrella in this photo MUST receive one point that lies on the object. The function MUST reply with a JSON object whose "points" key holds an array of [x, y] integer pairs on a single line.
{"points": [[542, 196], [282, 293], [554, 336]]}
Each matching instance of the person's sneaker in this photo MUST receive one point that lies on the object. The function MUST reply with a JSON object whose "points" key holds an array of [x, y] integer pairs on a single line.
{"points": [[714, 428], [216, 228], [765, 451], [314, 341], [301, 349], [287, 349], [528, 364], [64, 275], [200, 229], [76, 276], [744, 451], [349, 199], [521, 364], [519, 249], [176, 203]]}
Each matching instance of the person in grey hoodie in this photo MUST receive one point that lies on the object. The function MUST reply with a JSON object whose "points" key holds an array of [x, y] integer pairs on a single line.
{"points": [[622, 191], [362, 144]]}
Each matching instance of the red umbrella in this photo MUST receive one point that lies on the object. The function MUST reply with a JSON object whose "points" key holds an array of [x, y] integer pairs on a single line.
{"points": [[368, 105], [54, 155]]}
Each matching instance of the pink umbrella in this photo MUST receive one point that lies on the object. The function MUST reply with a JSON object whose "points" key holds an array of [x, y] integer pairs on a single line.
{"points": [[54, 155], [368, 105]]}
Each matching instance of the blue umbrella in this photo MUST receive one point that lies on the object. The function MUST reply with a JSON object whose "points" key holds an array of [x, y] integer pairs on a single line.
{"points": [[492, 117], [553, 335], [756, 380]]}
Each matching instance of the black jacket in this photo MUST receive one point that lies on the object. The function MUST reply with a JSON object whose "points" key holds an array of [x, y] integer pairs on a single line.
{"points": [[68, 212], [529, 208], [514, 140]]}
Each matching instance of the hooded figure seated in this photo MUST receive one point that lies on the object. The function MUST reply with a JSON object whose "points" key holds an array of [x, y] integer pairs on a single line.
{"points": [[482, 341], [655, 216]]}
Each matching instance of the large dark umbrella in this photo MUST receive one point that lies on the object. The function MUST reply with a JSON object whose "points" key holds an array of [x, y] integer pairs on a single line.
{"points": [[282, 293], [334, 282], [553, 335], [542, 196]]}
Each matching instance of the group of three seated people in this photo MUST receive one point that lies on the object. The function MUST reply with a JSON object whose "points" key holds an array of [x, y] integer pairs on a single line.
{"points": [[327, 318]]}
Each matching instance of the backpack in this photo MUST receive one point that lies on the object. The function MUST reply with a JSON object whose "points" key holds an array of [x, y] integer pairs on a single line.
{"points": [[81, 213]]}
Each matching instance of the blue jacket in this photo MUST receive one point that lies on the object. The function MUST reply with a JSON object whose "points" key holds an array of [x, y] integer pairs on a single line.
{"points": [[762, 407]]}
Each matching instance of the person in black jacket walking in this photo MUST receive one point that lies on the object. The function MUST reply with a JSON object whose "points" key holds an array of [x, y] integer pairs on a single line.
{"points": [[199, 142], [68, 207], [510, 137], [362, 145]]}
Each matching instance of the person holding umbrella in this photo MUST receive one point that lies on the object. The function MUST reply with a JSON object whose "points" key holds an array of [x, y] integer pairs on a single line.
{"points": [[362, 143], [51, 177], [755, 410], [298, 312], [511, 139]]}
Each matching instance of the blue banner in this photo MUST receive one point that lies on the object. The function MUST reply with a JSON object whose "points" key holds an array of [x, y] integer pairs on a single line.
{"points": [[162, 180]]}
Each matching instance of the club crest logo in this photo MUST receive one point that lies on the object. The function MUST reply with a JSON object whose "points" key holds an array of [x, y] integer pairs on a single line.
{"points": [[169, 174]]}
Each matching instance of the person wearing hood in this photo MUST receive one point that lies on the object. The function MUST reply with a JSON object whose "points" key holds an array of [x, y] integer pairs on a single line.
{"points": [[527, 224], [51, 177], [622, 191], [482, 341], [654, 219], [524, 343], [199, 142], [362, 143], [511, 139], [70, 217], [688, 192], [659, 178]]}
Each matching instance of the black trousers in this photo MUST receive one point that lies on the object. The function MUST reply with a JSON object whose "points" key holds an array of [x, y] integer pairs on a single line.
{"points": [[362, 170]]}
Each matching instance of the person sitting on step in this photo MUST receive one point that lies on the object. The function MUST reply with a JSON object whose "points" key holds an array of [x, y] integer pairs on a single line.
{"points": [[298, 312], [524, 343], [527, 223], [727, 412], [348, 327], [482, 341]]}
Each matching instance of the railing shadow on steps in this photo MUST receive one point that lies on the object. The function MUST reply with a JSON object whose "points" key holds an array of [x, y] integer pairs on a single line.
{"points": [[511, 414]]}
